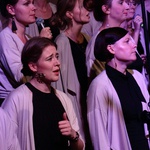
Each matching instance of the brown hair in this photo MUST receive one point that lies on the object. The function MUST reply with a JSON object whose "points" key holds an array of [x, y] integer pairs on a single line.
{"points": [[60, 19], [98, 13], [3, 5], [32, 51]]}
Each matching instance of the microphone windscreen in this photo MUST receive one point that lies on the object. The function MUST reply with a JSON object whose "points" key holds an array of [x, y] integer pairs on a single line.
{"points": [[40, 21]]}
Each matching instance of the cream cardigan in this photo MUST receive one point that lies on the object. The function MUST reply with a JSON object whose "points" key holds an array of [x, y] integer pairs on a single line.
{"points": [[19, 106], [105, 117]]}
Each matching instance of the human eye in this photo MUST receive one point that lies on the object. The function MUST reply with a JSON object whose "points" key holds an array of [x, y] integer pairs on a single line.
{"points": [[49, 58], [26, 3], [121, 2], [57, 55], [127, 40]]}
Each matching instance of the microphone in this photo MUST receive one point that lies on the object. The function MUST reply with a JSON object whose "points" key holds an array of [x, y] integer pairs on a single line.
{"points": [[138, 15], [40, 21]]}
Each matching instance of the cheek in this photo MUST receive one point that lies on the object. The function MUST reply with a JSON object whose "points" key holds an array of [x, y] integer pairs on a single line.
{"points": [[21, 15]]}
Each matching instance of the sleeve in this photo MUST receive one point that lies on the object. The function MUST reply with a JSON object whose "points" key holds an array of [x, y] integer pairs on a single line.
{"points": [[62, 46], [8, 138], [97, 116], [11, 56], [66, 102], [10, 106]]}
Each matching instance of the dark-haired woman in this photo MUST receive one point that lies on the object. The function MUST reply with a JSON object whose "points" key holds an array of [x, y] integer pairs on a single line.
{"points": [[71, 44], [111, 13], [19, 14], [117, 97], [43, 117]]}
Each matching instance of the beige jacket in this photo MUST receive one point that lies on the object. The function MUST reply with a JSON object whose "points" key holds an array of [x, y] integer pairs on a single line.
{"points": [[105, 116], [19, 106]]}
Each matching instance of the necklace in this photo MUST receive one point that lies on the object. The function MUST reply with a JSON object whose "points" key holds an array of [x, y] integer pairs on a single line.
{"points": [[78, 39]]}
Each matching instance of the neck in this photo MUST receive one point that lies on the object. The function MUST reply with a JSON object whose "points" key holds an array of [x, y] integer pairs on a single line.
{"points": [[121, 67], [109, 23], [43, 87], [40, 3], [43, 9], [74, 33]]}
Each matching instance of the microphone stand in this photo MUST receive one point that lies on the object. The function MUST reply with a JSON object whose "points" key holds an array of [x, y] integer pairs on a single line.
{"points": [[145, 28]]}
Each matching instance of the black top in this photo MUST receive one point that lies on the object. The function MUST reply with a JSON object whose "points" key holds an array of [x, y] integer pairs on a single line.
{"points": [[78, 53], [47, 112], [54, 30], [130, 98]]}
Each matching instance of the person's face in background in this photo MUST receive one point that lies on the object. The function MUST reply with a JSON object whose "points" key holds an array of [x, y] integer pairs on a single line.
{"points": [[24, 12], [125, 50], [48, 64], [80, 14], [132, 6], [118, 10]]}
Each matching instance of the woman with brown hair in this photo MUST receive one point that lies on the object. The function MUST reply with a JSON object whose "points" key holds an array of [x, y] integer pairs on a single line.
{"points": [[111, 13], [71, 45], [43, 117], [19, 14]]}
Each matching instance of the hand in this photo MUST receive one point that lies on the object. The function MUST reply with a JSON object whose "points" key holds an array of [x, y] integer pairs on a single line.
{"points": [[46, 32], [137, 22], [65, 127]]}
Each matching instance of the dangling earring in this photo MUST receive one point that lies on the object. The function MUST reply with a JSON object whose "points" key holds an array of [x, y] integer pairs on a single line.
{"points": [[14, 27], [40, 77]]}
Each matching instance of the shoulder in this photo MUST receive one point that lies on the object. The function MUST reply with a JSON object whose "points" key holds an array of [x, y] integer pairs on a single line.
{"points": [[62, 41], [100, 85], [61, 37], [138, 77], [21, 92], [6, 31], [7, 36], [101, 79], [17, 99], [136, 74]]}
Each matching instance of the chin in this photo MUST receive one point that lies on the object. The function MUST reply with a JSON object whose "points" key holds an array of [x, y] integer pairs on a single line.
{"points": [[54, 80]]}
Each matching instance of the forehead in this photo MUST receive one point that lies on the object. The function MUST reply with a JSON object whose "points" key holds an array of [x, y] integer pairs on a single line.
{"points": [[49, 50], [116, 1], [23, 1]]}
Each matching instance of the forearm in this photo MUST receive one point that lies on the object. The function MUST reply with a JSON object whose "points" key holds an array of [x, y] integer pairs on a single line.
{"points": [[135, 35]]}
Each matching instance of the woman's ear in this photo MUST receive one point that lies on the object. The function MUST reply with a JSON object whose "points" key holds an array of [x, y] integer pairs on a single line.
{"points": [[69, 14], [10, 9], [32, 66], [110, 49], [105, 9]]}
